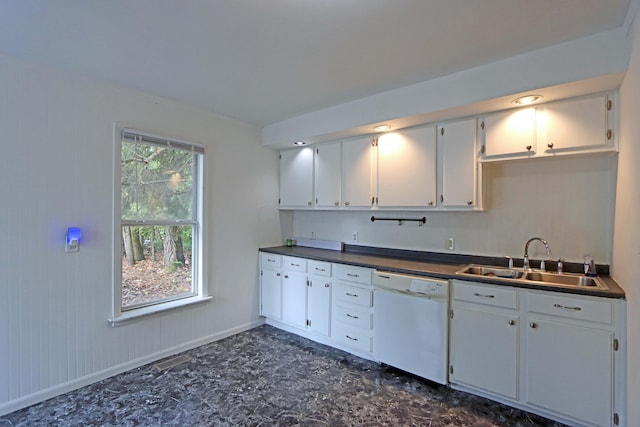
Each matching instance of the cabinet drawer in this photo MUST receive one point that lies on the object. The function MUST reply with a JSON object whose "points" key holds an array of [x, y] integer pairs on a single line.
{"points": [[555, 304], [271, 260], [294, 264], [353, 316], [357, 339], [488, 295], [353, 295], [319, 268], [353, 274]]}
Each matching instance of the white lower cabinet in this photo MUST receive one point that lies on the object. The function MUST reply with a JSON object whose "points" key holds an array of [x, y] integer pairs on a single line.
{"points": [[319, 298], [552, 353], [294, 298], [270, 286], [570, 357], [484, 338], [352, 303]]}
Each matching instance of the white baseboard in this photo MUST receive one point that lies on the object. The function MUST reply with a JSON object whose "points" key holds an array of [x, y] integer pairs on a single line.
{"points": [[48, 393]]}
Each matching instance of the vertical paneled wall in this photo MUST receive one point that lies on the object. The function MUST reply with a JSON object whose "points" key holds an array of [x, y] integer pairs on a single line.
{"points": [[56, 171]]}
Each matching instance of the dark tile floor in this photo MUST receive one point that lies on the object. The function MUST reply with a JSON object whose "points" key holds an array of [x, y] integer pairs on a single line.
{"points": [[266, 377]]}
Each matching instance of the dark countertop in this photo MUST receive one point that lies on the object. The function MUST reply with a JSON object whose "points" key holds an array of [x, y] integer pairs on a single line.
{"points": [[437, 265]]}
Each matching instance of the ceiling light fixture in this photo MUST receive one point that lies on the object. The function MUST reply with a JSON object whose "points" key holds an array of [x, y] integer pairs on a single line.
{"points": [[382, 128], [299, 143], [527, 99]]}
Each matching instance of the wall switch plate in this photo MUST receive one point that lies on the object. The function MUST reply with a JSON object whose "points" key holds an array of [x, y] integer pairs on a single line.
{"points": [[354, 236], [72, 246], [313, 234], [451, 243]]}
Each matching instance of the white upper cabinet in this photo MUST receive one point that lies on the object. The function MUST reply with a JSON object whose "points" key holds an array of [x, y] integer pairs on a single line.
{"points": [[357, 167], [296, 178], [328, 178], [457, 143], [575, 124], [511, 132], [407, 168]]}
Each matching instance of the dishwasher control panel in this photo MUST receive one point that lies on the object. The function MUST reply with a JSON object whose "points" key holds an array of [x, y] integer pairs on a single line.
{"points": [[409, 283]]}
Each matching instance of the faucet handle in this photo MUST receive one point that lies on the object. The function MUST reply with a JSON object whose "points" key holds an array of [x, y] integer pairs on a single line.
{"points": [[543, 267], [560, 266], [510, 261]]}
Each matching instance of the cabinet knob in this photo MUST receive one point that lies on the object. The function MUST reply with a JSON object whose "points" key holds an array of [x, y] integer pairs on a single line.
{"points": [[533, 325], [286, 277], [278, 274], [309, 203], [347, 203], [326, 285], [550, 145], [470, 202], [512, 322], [430, 203], [337, 203], [528, 147]]}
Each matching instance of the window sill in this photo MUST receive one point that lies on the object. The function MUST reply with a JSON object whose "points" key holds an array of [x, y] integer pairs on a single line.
{"points": [[138, 313]]}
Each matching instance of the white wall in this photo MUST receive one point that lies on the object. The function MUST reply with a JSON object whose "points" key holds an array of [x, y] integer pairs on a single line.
{"points": [[567, 201], [56, 170], [626, 248]]}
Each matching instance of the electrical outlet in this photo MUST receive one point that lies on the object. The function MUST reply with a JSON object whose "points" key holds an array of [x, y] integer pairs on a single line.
{"points": [[313, 234], [354, 236], [450, 244]]}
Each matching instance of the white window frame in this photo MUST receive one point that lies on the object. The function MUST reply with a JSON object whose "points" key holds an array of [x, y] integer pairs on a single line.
{"points": [[118, 315]]}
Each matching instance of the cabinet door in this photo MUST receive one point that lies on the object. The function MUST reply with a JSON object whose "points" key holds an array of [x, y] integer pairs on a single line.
{"points": [[356, 172], [575, 124], [458, 142], [570, 370], [271, 294], [294, 298], [328, 175], [484, 350], [407, 168], [510, 132], [319, 304], [296, 177]]}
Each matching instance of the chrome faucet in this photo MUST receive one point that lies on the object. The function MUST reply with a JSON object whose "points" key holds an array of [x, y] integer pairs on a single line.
{"points": [[526, 250]]}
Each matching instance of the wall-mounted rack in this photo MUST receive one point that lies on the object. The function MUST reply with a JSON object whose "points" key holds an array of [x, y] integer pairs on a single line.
{"points": [[421, 221]]}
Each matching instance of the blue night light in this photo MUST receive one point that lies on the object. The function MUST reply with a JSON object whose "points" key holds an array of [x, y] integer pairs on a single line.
{"points": [[74, 234]]}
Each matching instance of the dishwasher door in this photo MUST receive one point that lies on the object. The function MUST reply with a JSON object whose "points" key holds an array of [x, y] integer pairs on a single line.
{"points": [[411, 333]]}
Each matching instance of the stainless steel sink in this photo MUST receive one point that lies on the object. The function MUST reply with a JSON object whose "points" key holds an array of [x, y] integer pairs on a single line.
{"points": [[563, 279], [479, 270], [532, 277]]}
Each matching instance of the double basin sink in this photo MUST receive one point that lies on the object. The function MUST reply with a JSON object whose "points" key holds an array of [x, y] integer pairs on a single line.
{"points": [[532, 277]]}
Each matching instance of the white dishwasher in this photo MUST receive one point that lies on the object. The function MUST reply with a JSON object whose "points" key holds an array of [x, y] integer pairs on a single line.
{"points": [[411, 326]]}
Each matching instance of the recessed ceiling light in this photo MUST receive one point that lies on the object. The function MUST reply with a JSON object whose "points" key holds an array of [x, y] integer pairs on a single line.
{"points": [[527, 99], [299, 143], [382, 128]]}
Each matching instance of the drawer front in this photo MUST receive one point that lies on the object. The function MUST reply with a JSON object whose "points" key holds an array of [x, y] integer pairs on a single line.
{"points": [[271, 260], [357, 339], [319, 268], [353, 295], [353, 316], [353, 274], [294, 264], [592, 310], [488, 295]]}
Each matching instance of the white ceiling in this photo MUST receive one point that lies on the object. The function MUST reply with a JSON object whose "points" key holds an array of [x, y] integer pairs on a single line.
{"points": [[263, 61]]}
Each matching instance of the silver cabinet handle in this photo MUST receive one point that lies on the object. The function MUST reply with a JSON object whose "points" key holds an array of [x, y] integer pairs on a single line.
{"points": [[564, 307], [351, 338], [352, 316], [271, 260], [352, 275], [295, 265], [476, 294], [352, 295], [320, 269], [533, 325]]}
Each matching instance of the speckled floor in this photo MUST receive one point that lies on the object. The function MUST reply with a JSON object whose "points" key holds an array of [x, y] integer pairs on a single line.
{"points": [[266, 377]]}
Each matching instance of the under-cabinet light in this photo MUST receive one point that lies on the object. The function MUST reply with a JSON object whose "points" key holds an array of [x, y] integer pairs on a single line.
{"points": [[382, 128], [527, 99]]}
